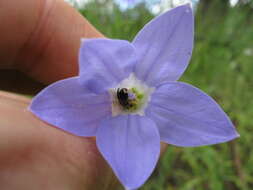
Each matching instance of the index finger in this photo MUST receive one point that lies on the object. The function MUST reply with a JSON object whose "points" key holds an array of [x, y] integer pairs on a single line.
{"points": [[42, 38]]}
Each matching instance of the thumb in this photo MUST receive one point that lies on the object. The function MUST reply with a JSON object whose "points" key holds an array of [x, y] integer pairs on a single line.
{"points": [[37, 155]]}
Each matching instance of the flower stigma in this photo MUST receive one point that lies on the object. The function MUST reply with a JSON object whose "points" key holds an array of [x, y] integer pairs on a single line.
{"points": [[130, 96]]}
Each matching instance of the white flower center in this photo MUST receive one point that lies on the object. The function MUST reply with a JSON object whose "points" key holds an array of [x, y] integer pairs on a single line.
{"points": [[130, 96]]}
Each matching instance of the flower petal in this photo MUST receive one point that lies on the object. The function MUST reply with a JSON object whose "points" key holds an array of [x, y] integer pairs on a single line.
{"points": [[131, 145], [165, 46], [104, 63], [67, 105], [186, 116]]}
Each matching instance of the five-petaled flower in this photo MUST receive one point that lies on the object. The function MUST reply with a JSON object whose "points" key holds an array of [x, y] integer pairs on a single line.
{"points": [[128, 97]]}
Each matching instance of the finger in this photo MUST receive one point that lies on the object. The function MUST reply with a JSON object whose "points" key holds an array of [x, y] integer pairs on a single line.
{"points": [[42, 38], [30, 149], [18, 82]]}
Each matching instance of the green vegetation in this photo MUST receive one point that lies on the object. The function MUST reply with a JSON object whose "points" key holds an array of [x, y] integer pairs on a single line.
{"points": [[222, 66]]}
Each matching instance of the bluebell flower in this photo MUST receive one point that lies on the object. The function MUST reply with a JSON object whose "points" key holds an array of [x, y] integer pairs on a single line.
{"points": [[128, 97]]}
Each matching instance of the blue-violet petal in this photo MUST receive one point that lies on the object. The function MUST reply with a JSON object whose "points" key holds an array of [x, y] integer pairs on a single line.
{"points": [[131, 145], [103, 63], [67, 105], [164, 46], [185, 116]]}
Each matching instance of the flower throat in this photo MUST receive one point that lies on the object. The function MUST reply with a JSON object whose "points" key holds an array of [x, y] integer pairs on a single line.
{"points": [[129, 99]]}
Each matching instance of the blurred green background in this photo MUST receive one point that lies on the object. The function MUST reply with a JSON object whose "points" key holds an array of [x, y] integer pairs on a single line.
{"points": [[221, 65]]}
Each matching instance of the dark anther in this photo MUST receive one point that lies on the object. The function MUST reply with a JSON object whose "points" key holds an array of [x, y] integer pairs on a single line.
{"points": [[122, 95]]}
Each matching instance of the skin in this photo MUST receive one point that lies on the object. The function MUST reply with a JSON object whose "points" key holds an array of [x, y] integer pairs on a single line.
{"points": [[41, 39]]}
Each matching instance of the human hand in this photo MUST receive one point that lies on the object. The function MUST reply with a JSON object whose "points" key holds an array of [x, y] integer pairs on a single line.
{"points": [[41, 38]]}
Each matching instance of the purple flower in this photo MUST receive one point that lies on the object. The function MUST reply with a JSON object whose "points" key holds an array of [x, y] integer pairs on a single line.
{"points": [[127, 96]]}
